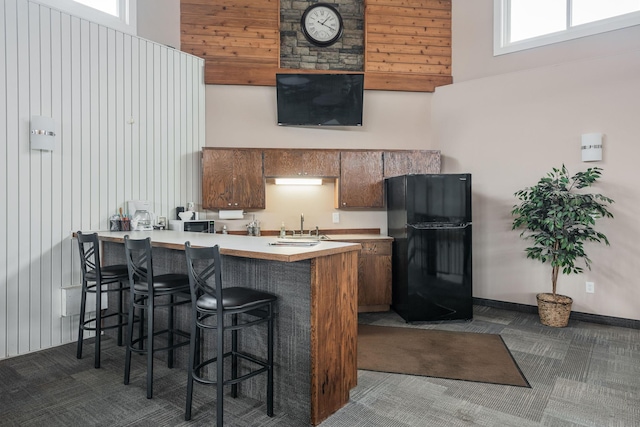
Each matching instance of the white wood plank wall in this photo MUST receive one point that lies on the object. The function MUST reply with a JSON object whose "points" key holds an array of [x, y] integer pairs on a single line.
{"points": [[129, 119]]}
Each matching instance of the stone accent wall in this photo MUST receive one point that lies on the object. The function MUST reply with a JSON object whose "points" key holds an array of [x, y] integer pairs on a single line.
{"points": [[296, 52]]}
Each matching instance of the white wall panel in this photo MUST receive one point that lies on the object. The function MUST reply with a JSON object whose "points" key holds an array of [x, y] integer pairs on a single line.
{"points": [[35, 189], [4, 179], [11, 171], [23, 183], [129, 119], [57, 230], [46, 241]]}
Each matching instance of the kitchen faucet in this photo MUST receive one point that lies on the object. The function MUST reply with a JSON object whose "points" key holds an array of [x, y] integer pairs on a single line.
{"points": [[301, 224]]}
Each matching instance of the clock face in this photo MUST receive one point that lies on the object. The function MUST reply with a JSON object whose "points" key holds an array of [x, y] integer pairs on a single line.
{"points": [[322, 24]]}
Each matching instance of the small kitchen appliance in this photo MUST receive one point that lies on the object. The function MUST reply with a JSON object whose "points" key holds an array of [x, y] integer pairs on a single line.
{"points": [[142, 219], [198, 226]]}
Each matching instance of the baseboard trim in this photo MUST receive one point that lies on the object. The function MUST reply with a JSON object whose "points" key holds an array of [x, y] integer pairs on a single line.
{"points": [[575, 315]]}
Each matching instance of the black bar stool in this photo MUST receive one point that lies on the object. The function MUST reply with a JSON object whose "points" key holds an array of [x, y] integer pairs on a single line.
{"points": [[210, 303], [145, 287], [96, 279]]}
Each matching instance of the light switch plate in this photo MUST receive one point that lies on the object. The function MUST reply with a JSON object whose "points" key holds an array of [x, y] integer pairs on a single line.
{"points": [[336, 217]]}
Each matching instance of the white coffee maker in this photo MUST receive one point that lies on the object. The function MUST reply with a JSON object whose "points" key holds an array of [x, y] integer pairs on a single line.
{"points": [[142, 219]]}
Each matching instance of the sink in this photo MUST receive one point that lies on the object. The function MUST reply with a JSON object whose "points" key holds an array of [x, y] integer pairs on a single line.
{"points": [[306, 237]]}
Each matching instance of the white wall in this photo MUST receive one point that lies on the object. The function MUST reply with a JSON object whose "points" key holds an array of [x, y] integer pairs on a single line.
{"points": [[129, 125], [510, 119], [153, 18]]}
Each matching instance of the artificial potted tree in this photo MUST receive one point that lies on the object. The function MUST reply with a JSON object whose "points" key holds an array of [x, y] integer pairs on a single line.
{"points": [[559, 219]]}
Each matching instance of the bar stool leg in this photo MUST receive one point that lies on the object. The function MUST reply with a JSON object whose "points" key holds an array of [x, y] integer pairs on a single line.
{"points": [[170, 333], [120, 314], [141, 328], [194, 349], [270, 362], [220, 371], [130, 320], [83, 306], [234, 358], [98, 324], [150, 345]]}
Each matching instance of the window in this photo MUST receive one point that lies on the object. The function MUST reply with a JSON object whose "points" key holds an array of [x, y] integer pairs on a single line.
{"points": [[107, 6], [524, 24], [116, 14]]}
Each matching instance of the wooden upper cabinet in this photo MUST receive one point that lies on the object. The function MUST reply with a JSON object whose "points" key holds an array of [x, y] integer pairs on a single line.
{"points": [[411, 162], [232, 179], [301, 163], [361, 183]]}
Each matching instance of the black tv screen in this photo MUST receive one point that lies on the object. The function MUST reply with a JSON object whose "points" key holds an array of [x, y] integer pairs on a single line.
{"points": [[319, 99]]}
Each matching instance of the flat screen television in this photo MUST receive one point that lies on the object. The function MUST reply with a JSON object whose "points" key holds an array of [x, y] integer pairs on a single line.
{"points": [[319, 99]]}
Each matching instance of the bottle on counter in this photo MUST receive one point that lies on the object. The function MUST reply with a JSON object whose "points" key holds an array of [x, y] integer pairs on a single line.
{"points": [[224, 229], [283, 231]]}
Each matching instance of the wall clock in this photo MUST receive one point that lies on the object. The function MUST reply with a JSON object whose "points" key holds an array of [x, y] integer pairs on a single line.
{"points": [[322, 24]]}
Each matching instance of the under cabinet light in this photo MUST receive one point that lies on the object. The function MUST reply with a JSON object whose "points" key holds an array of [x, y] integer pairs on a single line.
{"points": [[298, 181]]}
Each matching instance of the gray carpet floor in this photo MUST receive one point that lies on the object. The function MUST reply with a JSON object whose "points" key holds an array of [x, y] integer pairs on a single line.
{"points": [[583, 375]]}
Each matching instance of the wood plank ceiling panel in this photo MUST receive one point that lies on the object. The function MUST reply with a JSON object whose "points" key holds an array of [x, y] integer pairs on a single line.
{"points": [[239, 39], [407, 44]]}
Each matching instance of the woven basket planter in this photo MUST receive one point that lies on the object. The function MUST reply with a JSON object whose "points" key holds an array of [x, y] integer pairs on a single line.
{"points": [[554, 311]]}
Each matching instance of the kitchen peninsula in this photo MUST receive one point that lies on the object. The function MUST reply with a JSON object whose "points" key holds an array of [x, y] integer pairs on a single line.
{"points": [[316, 320]]}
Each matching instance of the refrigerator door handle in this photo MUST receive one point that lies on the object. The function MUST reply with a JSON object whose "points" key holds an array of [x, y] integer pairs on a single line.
{"points": [[436, 226]]}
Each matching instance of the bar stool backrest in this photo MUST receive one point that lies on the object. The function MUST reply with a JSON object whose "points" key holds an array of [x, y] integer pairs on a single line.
{"points": [[139, 261], [205, 272], [89, 255]]}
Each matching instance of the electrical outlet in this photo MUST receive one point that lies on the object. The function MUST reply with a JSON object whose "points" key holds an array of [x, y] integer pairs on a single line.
{"points": [[336, 217], [590, 288]]}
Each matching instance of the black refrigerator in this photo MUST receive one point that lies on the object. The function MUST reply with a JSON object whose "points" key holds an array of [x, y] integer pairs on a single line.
{"points": [[429, 217]]}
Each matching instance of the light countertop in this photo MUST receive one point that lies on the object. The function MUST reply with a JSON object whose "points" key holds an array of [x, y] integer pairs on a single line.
{"points": [[359, 237], [237, 245]]}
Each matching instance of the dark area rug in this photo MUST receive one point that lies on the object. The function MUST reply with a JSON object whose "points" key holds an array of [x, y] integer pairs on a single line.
{"points": [[442, 354]]}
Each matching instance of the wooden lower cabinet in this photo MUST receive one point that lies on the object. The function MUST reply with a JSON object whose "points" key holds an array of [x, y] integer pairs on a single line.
{"points": [[374, 274], [374, 277]]}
